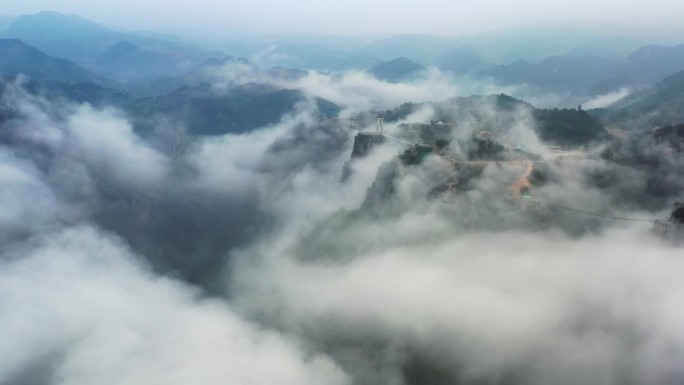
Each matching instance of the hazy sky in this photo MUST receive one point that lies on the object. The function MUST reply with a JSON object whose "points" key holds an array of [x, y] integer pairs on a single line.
{"points": [[446, 17]]}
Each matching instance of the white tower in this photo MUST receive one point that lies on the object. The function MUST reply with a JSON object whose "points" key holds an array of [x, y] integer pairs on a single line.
{"points": [[381, 120]]}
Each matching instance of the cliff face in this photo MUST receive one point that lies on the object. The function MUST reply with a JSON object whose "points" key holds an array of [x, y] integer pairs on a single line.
{"points": [[364, 143], [382, 188], [677, 215]]}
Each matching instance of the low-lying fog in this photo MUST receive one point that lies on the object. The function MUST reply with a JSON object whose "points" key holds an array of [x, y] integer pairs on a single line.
{"points": [[248, 259]]}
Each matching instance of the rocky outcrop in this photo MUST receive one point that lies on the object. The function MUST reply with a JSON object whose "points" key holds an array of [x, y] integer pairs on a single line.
{"points": [[364, 143], [382, 188]]}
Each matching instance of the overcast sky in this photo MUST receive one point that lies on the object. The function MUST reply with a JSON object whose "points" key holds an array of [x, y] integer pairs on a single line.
{"points": [[654, 18]]}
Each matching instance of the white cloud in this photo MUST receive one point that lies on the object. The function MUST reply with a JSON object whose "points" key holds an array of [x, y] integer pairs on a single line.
{"points": [[361, 92], [81, 295], [108, 142], [28, 204], [606, 100], [485, 304], [551, 307]]}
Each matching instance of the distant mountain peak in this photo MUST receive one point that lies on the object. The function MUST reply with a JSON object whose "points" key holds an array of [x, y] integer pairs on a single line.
{"points": [[54, 21], [404, 60], [224, 60], [124, 47], [396, 70]]}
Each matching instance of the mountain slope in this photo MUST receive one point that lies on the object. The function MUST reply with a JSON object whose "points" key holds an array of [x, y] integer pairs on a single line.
{"points": [[583, 74], [423, 48], [65, 36], [17, 57], [126, 61], [204, 111], [655, 106], [653, 63], [5, 22]]}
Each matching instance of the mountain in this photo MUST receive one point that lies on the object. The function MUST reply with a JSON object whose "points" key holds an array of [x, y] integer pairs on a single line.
{"points": [[17, 57], [396, 70], [421, 48], [566, 73], [126, 62], [301, 51], [202, 109], [105, 51], [610, 85], [653, 63], [66, 36], [654, 106], [224, 71], [327, 52]]}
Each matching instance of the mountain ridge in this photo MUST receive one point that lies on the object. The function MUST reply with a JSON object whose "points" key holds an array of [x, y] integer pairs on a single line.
{"points": [[17, 57]]}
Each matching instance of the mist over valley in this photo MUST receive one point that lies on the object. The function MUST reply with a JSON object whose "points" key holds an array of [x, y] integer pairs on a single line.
{"points": [[493, 207]]}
